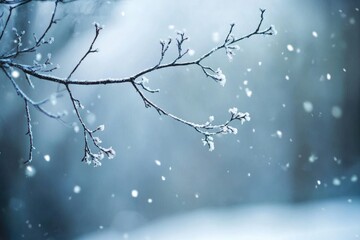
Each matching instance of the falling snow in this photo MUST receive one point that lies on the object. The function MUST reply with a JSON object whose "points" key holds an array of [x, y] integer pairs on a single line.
{"points": [[53, 99], [248, 92], [215, 37], [308, 106], [354, 178], [191, 52], [336, 182], [336, 112], [328, 76], [77, 189], [290, 47], [30, 171], [313, 158], [76, 128], [38, 57], [134, 193], [47, 158], [15, 74], [90, 118]]}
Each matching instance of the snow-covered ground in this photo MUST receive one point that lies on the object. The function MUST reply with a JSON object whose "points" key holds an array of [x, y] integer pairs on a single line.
{"points": [[328, 220]]}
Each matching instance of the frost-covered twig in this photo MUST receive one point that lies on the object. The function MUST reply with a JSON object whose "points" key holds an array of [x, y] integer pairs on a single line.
{"points": [[89, 156], [207, 129], [29, 132], [14, 68]]}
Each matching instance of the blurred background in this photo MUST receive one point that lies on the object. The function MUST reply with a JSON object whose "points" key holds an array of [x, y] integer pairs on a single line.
{"points": [[297, 160]]}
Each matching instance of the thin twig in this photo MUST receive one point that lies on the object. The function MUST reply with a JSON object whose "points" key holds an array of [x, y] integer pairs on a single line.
{"points": [[29, 133], [90, 50]]}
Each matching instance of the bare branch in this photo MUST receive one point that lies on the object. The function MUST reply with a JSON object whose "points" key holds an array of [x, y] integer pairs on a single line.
{"points": [[29, 132], [43, 71]]}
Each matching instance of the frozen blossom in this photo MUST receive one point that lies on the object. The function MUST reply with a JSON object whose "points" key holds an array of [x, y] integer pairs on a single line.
{"points": [[97, 140], [230, 51], [220, 77], [110, 152], [209, 140], [233, 111], [229, 129], [51, 40], [101, 128], [273, 30], [243, 117], [211, 146], [232, 130]]}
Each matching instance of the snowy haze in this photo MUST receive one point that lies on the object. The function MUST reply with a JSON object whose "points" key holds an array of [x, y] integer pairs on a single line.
{"points": [[282, 170]]}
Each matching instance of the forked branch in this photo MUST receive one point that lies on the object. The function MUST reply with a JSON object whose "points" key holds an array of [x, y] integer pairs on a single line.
{"points": [[13, 69]]}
